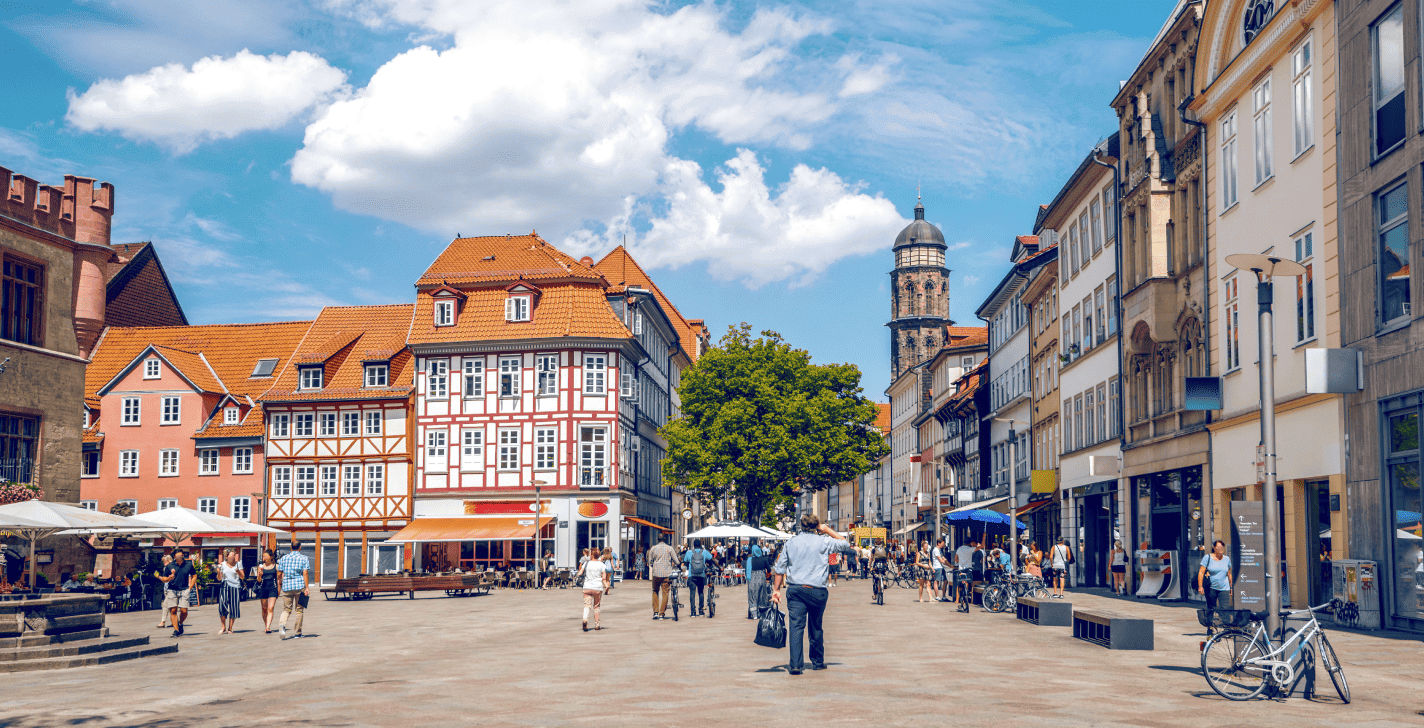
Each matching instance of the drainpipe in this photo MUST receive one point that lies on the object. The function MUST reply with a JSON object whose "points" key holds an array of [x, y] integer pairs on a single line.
{"points": [[1124, 484]]}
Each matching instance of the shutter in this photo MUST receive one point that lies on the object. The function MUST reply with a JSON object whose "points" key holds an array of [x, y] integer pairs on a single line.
{"points": [[509, 309]]}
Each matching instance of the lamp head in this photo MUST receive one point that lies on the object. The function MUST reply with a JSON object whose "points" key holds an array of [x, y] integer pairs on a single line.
{"points": [[1265, 266]]}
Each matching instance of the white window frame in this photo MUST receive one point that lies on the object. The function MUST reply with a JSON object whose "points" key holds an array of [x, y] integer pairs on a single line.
{"points": [[166, 503], [242, 461], [511, 371], [436, 449], [517, 308], [168, 463], [208, 505], [131, 412], [241, 507], [1303, 96], [89, 505], [329, 480], [208, 461], [351, 424], [376, 479], [595, 374], [437, 378], [508, 449], [474, 371], [375, 422], [546, 375], [327, 424], [1304, 248], [311, 378], [128, 463], [131, 503], [304, 482], [1095, 221], [378, 375], [546, 448], [282, 481], [444, 313], [170, 410], [1261, 134], [231, 416], [350, 486], [593, 457], [85, 471], [281, 425], [304, 424], [151, 369], [1230, 174], [472, 449], [1231, 322]]}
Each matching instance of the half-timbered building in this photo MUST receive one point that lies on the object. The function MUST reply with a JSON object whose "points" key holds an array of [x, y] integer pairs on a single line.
{"points": [[338, 441]]}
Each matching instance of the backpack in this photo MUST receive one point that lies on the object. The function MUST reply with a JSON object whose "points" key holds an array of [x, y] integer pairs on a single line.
{"points": [[698, 562], [978, 560]]}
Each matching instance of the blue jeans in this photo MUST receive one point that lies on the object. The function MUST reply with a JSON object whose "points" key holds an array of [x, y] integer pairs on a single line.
{"points": [[805, 606], [695, 600]]}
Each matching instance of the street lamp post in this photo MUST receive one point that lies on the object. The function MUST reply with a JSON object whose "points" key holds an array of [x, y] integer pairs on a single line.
{"points": [[538, 509], [1266, 267], [1013, 493]]}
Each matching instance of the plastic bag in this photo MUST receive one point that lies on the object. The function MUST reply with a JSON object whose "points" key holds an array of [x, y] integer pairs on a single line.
{"points": [[771, 628]]}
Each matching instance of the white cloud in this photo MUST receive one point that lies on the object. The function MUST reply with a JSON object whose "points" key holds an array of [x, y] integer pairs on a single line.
{"points": [[746, 231], [861, 80], [217, 98]]}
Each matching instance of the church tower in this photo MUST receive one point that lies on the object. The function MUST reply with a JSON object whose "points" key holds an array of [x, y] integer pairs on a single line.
{"points": [[919, 295]]}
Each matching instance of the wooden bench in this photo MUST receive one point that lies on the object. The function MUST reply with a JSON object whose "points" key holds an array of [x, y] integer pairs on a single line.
{"points": [[366, 587], [1113, 631], [1045, 612]]}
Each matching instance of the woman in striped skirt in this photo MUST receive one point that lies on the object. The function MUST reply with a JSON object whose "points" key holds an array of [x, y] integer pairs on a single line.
{"points": [[230, 595]]}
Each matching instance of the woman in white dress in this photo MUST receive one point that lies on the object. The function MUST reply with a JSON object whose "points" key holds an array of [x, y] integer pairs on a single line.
{"points": [[594, 577]]}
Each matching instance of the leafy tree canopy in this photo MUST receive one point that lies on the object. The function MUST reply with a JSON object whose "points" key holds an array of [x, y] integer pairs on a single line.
{"points": [[760, 422]]}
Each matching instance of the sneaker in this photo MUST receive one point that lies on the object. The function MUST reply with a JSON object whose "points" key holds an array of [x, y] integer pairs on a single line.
{"points": [[656, 616], [297, 636], [176, 633], [180, 629], [282, 630]]}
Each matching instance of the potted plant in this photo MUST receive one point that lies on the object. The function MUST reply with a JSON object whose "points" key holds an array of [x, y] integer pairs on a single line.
{"points": [[12, 492]]}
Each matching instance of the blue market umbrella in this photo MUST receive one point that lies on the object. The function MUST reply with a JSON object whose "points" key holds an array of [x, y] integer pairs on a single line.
{"points": [[983, 515]]}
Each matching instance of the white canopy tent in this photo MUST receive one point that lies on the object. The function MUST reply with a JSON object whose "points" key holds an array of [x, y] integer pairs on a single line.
{"points": [[64, 520], [181, 523], [737, 529]]}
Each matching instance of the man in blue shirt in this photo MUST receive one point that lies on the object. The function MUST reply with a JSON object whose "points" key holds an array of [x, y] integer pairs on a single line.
{"points": [[756, 580], [803, 566], [294, 575], [698, 561]]}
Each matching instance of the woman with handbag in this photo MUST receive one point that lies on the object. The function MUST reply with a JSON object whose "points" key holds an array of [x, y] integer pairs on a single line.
{"points": [[922, 570], [1060, 557], [595, 580], [229, 591], [1033, 560], [266, 589], [1118, 561]]}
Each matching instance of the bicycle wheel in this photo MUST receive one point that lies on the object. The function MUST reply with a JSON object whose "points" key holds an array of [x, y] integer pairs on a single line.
{"points": [[1332, 666], [1224, 665], [711, 603], [879, 593], [1039, 592], [993, 598], [674, 604]]}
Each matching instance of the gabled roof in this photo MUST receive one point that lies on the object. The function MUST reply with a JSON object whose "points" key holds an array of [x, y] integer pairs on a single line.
{"points": [[138, 292], [249, 426], [564, 310], [229, 350], [343, 339], [622, 271], [503, 258], [192, 367]]}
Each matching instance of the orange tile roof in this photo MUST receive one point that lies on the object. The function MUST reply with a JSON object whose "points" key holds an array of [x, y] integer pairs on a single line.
{"points": [[138, 292], [250, 426], [564, 309], [503, 258], [92, 433], [882, 418], [345, 337], [622, 271], [194, 367], [232, 350]]}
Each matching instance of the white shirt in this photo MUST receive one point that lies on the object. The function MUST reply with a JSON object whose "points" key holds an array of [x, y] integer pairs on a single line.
{"points": [[935, 557], [964, 557], [1060, 556], [593, 575]]}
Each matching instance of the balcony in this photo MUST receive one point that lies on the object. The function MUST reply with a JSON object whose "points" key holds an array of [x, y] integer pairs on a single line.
{"points": [[17, 470], [595, 478]]}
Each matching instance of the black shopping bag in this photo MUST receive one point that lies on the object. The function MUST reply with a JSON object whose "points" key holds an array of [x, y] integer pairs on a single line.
{"points": [[771, 628]]}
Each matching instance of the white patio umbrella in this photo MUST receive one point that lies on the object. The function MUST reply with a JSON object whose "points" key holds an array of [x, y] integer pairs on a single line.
{"points": [[180, 523], [736, 529], [65, 520]]}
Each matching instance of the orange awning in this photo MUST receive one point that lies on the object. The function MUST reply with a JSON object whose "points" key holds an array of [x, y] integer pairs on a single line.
{"points": [[642, 522], [429, 530]]}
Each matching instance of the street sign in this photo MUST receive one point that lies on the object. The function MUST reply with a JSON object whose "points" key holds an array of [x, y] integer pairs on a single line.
{"points": [[1260, 465], [1250, 536]]}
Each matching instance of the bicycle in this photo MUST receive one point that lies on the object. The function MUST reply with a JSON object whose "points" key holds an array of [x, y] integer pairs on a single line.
{"points": [[964, 588], [711, 600], [1239, 663], [878, 584], [904, 577], [1004, 593], [673, 584]]}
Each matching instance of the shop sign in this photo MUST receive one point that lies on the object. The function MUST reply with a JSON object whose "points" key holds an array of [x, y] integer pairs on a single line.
{"points": [[563, 524], [507, 507], [1247, 528], [593, 509]]}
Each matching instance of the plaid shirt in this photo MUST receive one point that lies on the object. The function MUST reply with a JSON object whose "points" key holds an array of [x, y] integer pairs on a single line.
{"points": [[292, 565], [662, 560]]}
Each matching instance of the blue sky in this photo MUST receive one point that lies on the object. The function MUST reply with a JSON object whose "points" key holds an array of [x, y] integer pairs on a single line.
{"points": [[759, 158]]}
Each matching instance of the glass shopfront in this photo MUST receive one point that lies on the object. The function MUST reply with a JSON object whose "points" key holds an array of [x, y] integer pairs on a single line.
{"points": [[1168, 517], [1100, 525], [1406, 537]]}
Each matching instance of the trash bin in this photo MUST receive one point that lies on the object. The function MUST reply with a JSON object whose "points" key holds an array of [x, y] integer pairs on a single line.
{"points": [[1355, 583]]}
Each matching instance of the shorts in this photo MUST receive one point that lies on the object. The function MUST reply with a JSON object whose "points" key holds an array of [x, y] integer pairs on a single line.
{"points": [[835, 568], [173, 599], [1119, 569], [940, 576]]}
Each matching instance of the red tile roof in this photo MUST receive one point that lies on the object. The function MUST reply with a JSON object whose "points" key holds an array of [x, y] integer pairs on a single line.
{"points": [[564, 309], [194, 367], [622, 271], [882, 418], [249, 426], [138, 292], [231, 350], [345, 338], [503, 258]]}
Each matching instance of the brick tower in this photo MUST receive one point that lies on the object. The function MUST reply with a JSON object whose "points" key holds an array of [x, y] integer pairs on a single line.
{"points": [[919, 300]]}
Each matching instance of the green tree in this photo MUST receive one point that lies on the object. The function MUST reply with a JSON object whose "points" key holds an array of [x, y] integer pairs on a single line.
{"points": [[760, 422]]}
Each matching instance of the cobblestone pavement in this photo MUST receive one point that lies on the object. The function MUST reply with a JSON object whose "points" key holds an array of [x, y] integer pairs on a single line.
{"points": [[517, 658]]}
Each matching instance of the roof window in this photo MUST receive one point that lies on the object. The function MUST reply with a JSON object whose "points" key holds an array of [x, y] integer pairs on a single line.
{"points": [[264, 368]]}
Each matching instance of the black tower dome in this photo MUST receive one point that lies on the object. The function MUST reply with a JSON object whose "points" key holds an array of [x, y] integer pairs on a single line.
{"points": [[920, 232]]}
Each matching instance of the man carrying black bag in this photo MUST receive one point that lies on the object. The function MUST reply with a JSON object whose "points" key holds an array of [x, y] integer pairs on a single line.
{"points": [[803, 566]]}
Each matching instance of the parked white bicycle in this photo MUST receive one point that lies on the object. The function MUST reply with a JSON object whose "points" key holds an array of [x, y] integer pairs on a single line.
{"points": [[1239, 662]]}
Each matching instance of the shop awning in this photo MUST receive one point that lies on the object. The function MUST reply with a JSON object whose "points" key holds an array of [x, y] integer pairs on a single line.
{"points": [[428, 530], [994, 504], [1036, 505], [909, 528], [641, 522]]}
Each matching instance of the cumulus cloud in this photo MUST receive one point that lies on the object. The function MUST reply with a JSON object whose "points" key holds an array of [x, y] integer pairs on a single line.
{"points": [[180, 107], [746, 231]]}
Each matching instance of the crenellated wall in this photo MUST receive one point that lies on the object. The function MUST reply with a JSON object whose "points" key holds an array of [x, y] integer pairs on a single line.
{"points": [[81, 210]]}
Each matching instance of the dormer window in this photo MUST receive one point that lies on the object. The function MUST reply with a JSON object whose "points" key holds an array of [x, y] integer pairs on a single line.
{"points": [[516, 308], [444, 313], [377, 375], [311, 377], [150, 368], [229, 415], [264, 368]]}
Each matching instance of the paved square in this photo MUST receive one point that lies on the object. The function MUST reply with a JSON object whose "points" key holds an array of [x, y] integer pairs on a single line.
{"points": [[516, 658]]}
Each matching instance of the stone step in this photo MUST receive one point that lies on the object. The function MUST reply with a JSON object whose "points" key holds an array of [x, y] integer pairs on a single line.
{"points": [[101, 658], [39, 639], [69, 649]]}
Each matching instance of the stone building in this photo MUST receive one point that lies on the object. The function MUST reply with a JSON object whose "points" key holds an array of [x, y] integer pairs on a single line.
{"points": [[919, 301]]}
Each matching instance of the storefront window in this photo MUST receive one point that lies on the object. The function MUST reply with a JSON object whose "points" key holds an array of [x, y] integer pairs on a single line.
{"points": [[1402, 466], [1144, 512]]}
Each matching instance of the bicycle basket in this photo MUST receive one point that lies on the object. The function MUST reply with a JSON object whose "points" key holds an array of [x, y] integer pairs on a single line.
{"points": [[1224, 618]]}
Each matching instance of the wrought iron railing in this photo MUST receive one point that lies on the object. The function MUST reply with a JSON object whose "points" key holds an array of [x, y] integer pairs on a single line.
{"points": [[17, 470]]}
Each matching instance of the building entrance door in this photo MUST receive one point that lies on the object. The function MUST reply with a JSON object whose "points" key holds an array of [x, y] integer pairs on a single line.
{"points": [[1096, 517]]}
